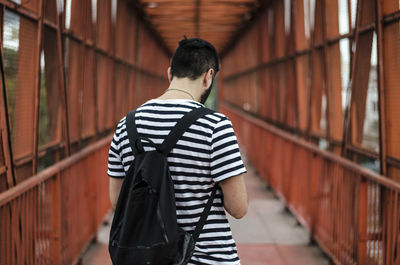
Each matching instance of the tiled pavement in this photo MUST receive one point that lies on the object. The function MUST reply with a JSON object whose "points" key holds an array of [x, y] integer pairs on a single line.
{"points": [[267, 235]]}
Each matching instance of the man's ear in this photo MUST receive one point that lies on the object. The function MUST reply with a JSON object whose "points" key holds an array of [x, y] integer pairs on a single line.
{"points": [[169, 74], [208, 77]]}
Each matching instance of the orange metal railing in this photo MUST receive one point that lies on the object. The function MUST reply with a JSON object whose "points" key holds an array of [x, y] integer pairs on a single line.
{"points": [[353, 213], [51, 217]]}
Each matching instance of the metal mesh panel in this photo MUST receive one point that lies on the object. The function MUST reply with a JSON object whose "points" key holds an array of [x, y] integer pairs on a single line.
{"points": [[50, 93], [239, 58], [299, 25], [264, 42], [104, 29], [360, 86], [105, 93], [90, 19], [391, 60], [88, 96], [130, 38], [74, 78], [394, 173], [163, 65], [50, 10], [282, 82], [316, 90], [303, 90], [77, 17], [279, 29], [121, 46], [318, 22], [262, 93], [31, 5], [19, 58], [121, 91], [132, 89], [390, 6], [367, 12], [147, 56], [252, 48], [227, 64], [334, 87], [291, 95], [2, 158], [273, 101], [3, 175], [332, 18], [253, 86]]}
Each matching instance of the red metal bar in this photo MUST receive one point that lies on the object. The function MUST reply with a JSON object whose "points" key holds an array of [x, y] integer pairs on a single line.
{"points": [[342, 203], [362, 223], [27, 13], [370, 175], [47, 173], [391, 18], [39, 211], [60, 20], [325, 72], [39, 46], [381, 90]]}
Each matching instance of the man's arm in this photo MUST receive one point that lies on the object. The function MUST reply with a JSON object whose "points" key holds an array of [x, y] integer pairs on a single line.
{"points": [[235, 196], [115, 188]]}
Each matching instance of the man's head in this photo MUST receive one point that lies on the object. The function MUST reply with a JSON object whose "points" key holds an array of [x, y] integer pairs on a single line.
{"points": [[195, 58]]}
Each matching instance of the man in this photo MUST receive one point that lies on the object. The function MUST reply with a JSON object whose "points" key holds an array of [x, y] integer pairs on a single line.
{"points": [[207, 153]]}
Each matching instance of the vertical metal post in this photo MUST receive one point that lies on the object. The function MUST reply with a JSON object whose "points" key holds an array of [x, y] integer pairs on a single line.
{"points": [[352, 32], [310, 66], [38, 84], [95, 89], [362, 221], [56, 220], [381, 90], [325, 74], [293, 39], [137, 50], [82, 48], [62, 81]]}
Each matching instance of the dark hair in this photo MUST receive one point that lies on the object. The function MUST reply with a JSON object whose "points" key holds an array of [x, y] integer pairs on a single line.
{"points": [[194, 57]]}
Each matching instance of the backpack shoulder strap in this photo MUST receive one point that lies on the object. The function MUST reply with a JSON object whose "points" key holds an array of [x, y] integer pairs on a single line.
{"points": [[204, 215], [133, 134], [182, 125]]}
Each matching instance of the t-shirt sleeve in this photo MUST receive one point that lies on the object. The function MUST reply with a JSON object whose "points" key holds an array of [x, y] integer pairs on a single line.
{"points": [[115, 166], [226, 160]]}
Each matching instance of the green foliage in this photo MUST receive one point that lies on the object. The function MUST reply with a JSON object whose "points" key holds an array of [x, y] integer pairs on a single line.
{"points": [[11, 70], [211, 102], [44, 132]]}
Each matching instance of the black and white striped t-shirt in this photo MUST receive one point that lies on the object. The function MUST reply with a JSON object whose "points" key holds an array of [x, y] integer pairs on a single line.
{"points": [[207, 152]]}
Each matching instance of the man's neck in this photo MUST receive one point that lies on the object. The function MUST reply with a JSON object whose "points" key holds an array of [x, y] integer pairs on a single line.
{"points": [[183, 88]]}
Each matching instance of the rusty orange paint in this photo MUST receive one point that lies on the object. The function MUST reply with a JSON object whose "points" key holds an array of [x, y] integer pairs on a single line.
{"points": [[338, 200]]}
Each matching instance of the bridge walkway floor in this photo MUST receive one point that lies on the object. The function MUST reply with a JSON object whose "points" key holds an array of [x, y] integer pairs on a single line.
{"points": [[268, 235]]}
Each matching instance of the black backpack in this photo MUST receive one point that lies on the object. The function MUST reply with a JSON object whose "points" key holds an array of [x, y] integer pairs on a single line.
{"points": [[144, 229]]}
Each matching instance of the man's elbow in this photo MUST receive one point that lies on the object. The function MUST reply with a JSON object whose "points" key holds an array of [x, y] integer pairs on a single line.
{"points": [[240, 212]]}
